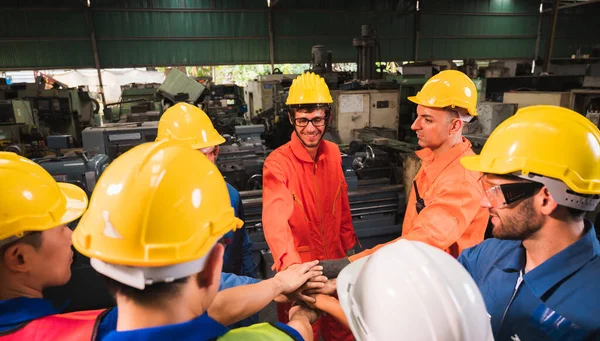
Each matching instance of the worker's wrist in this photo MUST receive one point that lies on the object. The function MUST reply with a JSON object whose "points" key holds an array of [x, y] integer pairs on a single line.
{"points": [[277, 286], [301, 317]]}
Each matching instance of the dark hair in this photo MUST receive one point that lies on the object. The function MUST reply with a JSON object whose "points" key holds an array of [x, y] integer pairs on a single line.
{"points": [[155, 292], [308, 108], [30, 238], [575, 214]]}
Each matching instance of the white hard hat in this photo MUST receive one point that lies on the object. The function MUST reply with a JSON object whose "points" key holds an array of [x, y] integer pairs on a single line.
{"points": [[412, 291]]}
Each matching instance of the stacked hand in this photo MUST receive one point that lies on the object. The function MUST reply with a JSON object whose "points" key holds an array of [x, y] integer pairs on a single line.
{"points": [[305, 285], [302, 310], [316, 283]]}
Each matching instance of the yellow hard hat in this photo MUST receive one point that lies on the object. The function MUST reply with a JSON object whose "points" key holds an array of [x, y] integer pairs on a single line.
{"points": [[545, 140], [309, 88], [448, 88], [157, 205], [188, 124], [32, 200]]}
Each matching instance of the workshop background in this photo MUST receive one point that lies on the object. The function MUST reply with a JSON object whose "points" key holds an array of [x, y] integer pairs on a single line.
{"points": [[83, 81]]}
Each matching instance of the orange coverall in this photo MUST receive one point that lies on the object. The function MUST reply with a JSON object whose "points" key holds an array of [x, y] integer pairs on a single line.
{"points": [[452, 218], [306, 213]]}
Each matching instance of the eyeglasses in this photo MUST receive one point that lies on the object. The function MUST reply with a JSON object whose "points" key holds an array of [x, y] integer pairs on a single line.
{"points": [[503, 195], [317, 121]]}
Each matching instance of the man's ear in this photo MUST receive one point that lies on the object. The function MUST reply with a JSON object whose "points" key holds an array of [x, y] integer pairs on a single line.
{"points": [[456, 126], [17, 257], [547, 202], [212, 268], [291, 117]]}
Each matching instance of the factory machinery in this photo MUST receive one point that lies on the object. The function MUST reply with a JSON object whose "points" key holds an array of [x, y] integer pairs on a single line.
{"points": [[30, 112], [225, 106]]}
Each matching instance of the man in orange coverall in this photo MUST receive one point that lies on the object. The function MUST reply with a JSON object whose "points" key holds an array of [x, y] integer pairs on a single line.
{"points": [[306, 212], [443, 207]]}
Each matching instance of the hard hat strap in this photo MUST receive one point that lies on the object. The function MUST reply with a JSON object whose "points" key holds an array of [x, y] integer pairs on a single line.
{"points": [[563, 195]]}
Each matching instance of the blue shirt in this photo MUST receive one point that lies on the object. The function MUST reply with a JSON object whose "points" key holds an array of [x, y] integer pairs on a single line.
{"points": [[201, 328], [232, 280], [238, 249], [17, 311], [557, 300]]}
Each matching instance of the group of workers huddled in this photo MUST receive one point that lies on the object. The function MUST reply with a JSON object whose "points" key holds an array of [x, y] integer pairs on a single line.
{"points": [[166, 233]]}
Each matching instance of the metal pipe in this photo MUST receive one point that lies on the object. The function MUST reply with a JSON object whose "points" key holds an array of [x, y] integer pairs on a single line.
{"points": [[580, 3], [90, 22], [181, 38], [555, 6], [538, 38], [271, 40], [417, 31]]}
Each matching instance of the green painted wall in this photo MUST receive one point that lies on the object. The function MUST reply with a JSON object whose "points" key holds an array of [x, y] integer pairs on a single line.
{"points": [[54, 33]]}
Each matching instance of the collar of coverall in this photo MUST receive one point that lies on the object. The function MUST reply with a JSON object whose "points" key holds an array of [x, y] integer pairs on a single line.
{"points": [[433, 166]]}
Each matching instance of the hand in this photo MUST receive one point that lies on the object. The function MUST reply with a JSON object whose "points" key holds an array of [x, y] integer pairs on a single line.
{"points": [[301, 310], [322, 302], [296, 275], [313, 283], [329, 288], [332, 267]]}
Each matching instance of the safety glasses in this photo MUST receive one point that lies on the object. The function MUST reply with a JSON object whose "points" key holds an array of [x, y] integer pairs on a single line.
{"points": [[503, 195]]}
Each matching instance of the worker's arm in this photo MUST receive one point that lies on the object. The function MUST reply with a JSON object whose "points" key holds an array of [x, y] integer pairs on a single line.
{"points": [[278, 206], [235, 304], [301, 319], [331, 306], [444, 219], [347, 228], [229, 280]]}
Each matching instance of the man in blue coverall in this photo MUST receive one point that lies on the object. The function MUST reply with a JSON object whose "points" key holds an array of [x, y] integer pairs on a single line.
{"points": [[191, 126], [539, 277]]}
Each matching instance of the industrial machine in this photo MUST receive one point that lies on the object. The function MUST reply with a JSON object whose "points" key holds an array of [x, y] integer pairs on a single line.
{"points": [[263, 94], [358, 109], [225, 105], [147, 102], [18, 129], [58, 110], [77, 169], [489, 116], [138, 102], [242, 156], [116, 138]]}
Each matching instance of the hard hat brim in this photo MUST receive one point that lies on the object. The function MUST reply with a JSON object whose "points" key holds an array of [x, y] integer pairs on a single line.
{"points": [[218, 141], [418, 101], [77, 202], [472, 163], [346, 278]]}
